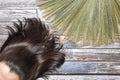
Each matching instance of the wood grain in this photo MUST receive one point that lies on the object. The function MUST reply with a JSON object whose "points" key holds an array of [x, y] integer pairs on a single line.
{"points": [[13, 15], [18, 8], [2, 39], [89, 67], [83, 77], [10, 3]]}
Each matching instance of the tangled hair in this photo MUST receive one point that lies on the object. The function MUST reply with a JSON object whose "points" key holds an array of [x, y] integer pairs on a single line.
{"points": [[31, 50]]}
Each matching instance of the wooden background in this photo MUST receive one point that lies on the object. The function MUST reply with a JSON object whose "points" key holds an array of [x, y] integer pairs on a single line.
{"points": [[82, 62]]}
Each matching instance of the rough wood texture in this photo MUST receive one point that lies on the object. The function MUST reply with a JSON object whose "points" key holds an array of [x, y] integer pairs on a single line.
{"points": [[9, 3], [80, 67], [2, 39], [83, 77], [94, 56], [13, 15], [18, 8]]}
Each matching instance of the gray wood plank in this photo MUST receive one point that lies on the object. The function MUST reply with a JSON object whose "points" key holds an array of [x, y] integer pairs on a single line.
{"points": [[93, 54], [82, 77], [3, 27], [114, 44], [94, 57], [17, 3], [13, 15], [18, 8], [87, 68], [2, 39], [94, 50], [3, 30]]}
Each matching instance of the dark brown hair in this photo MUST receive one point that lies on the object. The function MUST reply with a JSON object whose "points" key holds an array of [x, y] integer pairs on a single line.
{"points": [[31, 50]]}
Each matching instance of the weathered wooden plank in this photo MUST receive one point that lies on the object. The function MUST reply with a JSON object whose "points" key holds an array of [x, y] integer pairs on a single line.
{"points": [[82, 77], [94, 57], [94, 50], [2, 39], [83, 68], [114, 44], [13, 15], [3, 28], [93, 54], [18, 8], [17, 3]]}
